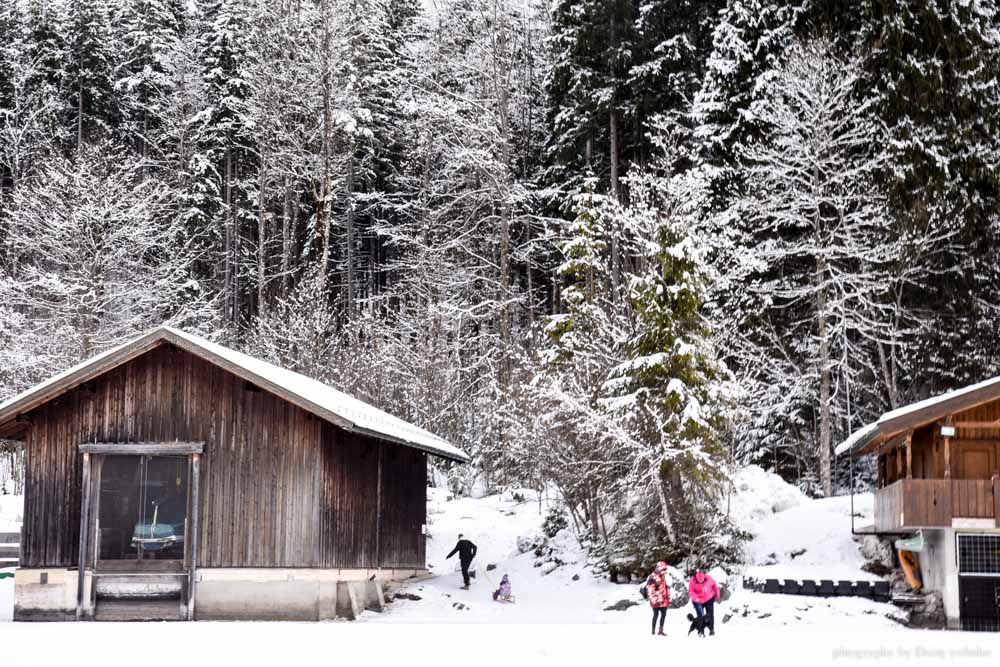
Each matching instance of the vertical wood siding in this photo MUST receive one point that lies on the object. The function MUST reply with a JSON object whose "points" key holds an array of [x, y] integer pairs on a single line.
{"points": [[279, 487]]}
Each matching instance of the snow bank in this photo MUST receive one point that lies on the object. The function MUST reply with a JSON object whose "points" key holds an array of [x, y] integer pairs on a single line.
{"points": [[811, 541], [11, 509], [760, 494], [796, 537]]}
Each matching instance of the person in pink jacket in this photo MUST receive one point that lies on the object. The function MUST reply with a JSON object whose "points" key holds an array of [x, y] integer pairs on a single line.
{"points": [[704, 592], [657, 591]]}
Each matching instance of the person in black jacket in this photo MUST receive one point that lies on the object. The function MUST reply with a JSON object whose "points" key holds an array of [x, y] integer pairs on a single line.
{"points": [[466, 551]]}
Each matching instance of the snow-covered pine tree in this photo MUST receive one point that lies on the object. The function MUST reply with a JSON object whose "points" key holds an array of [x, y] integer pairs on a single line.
{"points": [[151, 32], [671, 393], [580, 447], [93, 54], [747, 41], [931, 69], [224, 152]]}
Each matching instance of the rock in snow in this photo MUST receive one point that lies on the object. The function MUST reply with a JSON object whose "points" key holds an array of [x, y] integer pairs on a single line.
{"points": [[621, 605]]}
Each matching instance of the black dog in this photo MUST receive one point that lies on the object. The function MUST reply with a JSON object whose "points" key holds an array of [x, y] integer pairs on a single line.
{"points": [[696, 624]]}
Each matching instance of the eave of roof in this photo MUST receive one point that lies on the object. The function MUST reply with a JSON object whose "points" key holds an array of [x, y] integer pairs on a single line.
{"points": [[311, 395], [919, 414]]}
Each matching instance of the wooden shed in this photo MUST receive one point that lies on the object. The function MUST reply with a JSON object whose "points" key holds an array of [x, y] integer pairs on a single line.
{"points": [[185, 480], [938, 479]]}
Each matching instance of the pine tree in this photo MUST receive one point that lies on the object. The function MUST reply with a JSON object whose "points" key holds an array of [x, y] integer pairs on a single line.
{"points": [[223, 151], [748, 40], [88, 71], [932, 72], [151, 31]]}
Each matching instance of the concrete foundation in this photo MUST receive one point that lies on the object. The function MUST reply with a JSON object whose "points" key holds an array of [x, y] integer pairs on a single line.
{"points": [[49, 595], [227, 594], [939, 564]]}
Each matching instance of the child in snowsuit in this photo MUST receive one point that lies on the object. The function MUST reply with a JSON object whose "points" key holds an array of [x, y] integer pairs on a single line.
{"points": [[503, 593], [704, 592], [658, 594]]}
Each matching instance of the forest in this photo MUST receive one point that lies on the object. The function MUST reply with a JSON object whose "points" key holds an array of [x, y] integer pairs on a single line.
{"points": [[616, 247]]}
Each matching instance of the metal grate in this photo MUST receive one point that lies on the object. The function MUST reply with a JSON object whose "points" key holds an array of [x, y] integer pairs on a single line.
{"points": [[980, 603], [979, 554]]}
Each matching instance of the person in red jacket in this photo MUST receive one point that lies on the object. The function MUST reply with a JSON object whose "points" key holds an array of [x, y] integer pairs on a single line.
{"points": [[704, 592], [658, 594]]}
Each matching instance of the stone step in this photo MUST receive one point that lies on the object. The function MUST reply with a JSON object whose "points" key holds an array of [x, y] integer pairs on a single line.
{"points": [[139, 610]]}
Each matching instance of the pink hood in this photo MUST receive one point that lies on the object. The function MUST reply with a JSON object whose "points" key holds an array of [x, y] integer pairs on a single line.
{"points": [[704, 590]]}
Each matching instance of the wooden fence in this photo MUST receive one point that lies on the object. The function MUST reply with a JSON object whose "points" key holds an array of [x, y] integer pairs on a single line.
{"points": [[928, 503]]}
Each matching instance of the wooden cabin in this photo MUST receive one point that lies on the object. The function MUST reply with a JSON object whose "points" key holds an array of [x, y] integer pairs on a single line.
{"points": [[938, 476], [173, 478]]}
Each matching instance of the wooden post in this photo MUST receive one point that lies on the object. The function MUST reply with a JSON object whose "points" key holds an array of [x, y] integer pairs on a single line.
{"points": [[193, 537], [947, 452], [996, 501], [378, 510], [84, 524], [909, 455], [898, 454], [96, 474]]}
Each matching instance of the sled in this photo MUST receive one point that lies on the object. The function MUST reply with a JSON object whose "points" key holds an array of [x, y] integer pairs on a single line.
{"points": [[505, 599]]}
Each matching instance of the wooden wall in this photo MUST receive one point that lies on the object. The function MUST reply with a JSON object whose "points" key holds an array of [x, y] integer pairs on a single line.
{"points": [[279, 487]]}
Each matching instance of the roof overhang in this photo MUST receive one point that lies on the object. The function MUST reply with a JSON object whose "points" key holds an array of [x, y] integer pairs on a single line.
{"points": [[918, 415], [12, 412]]}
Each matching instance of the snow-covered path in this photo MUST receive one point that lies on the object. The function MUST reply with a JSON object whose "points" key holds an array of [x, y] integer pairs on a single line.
{"points": [[557, 620], [290, 644]]}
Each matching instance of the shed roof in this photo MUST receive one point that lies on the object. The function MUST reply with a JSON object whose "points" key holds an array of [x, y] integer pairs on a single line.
{"points": [[919, 414], [311, 395]]}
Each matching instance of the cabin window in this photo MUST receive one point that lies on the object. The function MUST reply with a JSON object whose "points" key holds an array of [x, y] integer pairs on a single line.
{"points": [[143, 508]]}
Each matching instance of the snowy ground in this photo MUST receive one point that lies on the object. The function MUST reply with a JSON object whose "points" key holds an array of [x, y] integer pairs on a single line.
{"points": [[494, 524], [10, 522], [555, 620]]}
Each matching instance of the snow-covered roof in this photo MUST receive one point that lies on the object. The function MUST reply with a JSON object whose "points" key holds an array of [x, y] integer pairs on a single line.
{"points": [[858, 436], [311, 395], [921, 413]]}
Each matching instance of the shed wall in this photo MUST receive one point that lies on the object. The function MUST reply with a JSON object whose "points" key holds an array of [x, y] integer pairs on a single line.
{"points": [[279, 487]]}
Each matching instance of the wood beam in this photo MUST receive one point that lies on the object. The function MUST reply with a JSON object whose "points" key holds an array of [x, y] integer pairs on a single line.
{"points": [[891, 443], [81, 572], [977, 425], [192, 539], [909, 455], [138, 448], [947, 451], [13, 430]]}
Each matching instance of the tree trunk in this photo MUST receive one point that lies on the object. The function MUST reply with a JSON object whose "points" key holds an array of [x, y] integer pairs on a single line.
{"points": [[616, 192], [501, 76], [349, 287], [323, 210], [228, 225], [826, 478], [665, 514], [286, 238], [262, 238], [824, 385]]}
